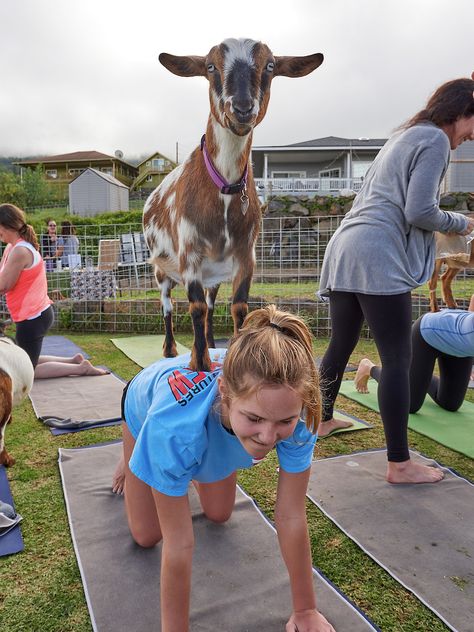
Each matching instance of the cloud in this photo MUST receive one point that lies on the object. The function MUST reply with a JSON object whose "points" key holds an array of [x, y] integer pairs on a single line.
{"points": [[85, 75]]}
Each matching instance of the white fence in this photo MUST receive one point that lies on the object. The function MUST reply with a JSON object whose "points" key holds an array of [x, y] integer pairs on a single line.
{"points": [[113, 288], [319, 186]]}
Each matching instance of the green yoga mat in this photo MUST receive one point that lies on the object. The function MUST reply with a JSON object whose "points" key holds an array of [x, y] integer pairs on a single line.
{"points": [[453, 430], [144, 350]]}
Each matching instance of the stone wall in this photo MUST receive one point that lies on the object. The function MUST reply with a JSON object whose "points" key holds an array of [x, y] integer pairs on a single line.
{"points": [[305, 206]]}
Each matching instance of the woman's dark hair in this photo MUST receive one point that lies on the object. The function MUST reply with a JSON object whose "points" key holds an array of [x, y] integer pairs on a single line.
{"points": [[67, 228], [14, 218], [450, 102]]}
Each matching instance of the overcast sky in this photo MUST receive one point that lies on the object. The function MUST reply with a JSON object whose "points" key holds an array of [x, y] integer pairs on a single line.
{"points": [[84, 75]]}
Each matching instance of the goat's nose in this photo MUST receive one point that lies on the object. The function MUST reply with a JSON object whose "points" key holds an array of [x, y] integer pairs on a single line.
{"points": [[242, 107]]}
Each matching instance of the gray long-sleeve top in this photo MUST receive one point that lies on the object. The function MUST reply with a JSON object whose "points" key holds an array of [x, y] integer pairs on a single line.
{"points": [[385, 243]]}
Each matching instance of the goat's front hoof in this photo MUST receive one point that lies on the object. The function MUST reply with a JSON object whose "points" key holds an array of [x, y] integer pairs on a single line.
{"points": [[198, 363], [170, 351], [6, 459]]}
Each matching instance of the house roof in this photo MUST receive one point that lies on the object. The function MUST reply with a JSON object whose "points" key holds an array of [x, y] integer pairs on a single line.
{"points": [[75, 156], [151, 156], [330, 142], [104, 176]]}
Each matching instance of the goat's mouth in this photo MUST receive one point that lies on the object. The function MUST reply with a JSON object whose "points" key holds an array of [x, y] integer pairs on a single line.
{"points": [[239, 128]]}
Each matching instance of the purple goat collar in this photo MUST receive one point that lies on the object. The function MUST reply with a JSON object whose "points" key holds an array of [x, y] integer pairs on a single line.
{"points": [[223, 186]]}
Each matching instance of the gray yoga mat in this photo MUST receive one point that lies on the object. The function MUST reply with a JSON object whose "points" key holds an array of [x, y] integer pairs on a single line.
{"points": [[421, 534], [77, 402], [239, 581]]}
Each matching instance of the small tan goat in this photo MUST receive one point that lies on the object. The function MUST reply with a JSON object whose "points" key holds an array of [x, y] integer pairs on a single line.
{"points": [[453, 266]]}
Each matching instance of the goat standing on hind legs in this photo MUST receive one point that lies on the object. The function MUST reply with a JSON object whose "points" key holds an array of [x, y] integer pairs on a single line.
{"points": [[202, 222]]}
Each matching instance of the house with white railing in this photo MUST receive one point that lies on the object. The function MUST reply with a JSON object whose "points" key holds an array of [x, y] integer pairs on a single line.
{"points": [[333, 165], [315, 167]]}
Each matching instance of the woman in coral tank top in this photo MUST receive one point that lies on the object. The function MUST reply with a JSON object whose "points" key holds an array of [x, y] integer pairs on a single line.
{"points": [[23, 281]]}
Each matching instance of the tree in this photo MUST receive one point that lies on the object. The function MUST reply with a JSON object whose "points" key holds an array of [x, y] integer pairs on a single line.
{"points": [[36, 190], [11, 189]]}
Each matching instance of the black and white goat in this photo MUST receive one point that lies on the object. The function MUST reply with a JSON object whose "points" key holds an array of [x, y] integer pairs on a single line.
{"points": [[202, 222]]}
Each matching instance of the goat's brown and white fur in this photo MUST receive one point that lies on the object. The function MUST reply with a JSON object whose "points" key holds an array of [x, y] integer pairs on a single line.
{"points": [[198, 236], [447, 278], [16, 380]]}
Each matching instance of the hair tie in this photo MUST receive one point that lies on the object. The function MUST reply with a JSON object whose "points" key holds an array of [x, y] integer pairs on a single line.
{"points": [[23, 228], [275, 326]]}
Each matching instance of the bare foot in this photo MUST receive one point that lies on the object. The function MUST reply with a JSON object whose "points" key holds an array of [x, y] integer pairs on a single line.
{"points": [[77, 359], [411, 472], [326, 427], [362, 375], [89, 369], [118, 478]]}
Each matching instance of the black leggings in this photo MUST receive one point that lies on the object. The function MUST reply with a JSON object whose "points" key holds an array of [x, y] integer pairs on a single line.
{"points": [[30, 333], [389, 319], [449, 389]]}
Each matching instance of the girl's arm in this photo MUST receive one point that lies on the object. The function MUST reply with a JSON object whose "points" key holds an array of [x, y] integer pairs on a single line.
{"points": [[174, 515], [292, 529], [471, 304], [18, 259]]}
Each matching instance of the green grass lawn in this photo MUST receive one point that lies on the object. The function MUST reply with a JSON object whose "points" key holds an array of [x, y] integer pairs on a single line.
{"points": [[41, 589]]}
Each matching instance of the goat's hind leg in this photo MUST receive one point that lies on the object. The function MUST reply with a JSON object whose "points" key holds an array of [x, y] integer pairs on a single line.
{"points": [[446, 291], [432, 286], [200, 360], [169, 343], [240, 290]]}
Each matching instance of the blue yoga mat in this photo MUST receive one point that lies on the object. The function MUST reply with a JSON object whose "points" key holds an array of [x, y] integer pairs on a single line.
{"points": [[11, 542], [61, 346], [61, 431]]}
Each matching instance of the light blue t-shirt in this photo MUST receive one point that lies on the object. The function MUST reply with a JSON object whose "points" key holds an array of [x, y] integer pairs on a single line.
{"points": [[450, 331], [179, 435]]}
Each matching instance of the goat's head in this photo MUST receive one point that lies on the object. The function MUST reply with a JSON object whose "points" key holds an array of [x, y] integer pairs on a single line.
{"points": [[240, 72]]}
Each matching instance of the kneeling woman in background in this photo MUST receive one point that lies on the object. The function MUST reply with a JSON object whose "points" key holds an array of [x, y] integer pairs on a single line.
{"points": [[446, 336]]}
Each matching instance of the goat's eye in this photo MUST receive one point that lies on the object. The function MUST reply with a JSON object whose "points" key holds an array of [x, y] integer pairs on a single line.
{"points": [[270, 66], [210, 67]]}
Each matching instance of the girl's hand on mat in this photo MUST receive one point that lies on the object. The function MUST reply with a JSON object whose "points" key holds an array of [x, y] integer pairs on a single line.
{"points": [[308, 621]]}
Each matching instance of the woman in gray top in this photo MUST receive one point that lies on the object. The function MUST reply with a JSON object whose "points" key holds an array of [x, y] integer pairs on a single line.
{"points": [[383, 249]]}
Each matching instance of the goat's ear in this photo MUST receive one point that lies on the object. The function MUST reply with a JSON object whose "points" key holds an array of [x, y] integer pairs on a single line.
{"points": [[189, 66], [297, 66]]}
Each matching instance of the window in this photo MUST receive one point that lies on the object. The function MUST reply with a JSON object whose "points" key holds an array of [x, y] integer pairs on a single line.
{"points": [[288, 174], [52, 174], [75, 172], [330, 173], [360, 168], [158, 163], [107, 170], [149, 178]]}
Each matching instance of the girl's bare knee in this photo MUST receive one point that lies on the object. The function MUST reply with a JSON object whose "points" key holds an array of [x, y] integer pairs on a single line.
{"points": [[219, 515], [145, 538]]}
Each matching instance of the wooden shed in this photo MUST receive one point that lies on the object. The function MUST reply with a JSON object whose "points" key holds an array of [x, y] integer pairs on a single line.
{"points": [[94, 192]]}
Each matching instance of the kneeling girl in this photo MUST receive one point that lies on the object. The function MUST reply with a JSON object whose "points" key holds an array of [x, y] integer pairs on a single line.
{"points": [[182, 426]]}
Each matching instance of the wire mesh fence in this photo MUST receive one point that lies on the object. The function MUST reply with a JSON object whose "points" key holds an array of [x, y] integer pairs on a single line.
{"points": [[109, 286]]}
